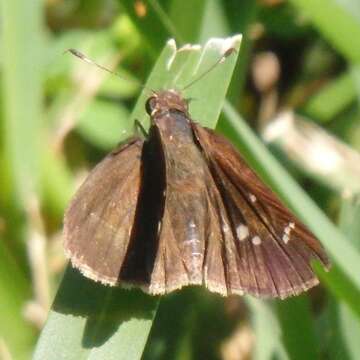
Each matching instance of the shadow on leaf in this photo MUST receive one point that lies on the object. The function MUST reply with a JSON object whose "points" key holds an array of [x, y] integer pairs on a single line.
{"points": [[104, 307]]}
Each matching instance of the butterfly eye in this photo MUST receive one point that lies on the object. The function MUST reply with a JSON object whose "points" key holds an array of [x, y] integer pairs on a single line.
{"points": [[150, 105]]}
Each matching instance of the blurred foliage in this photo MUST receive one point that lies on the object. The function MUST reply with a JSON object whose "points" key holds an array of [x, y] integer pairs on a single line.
{"points": [[60, 116]]}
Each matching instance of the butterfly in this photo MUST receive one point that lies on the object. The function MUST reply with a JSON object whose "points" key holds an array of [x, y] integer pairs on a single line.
{"points": [[182, 207]]}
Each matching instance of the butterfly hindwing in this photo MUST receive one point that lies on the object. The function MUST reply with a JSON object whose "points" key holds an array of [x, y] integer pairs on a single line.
{"points": [[99, 221], [274, 249]]}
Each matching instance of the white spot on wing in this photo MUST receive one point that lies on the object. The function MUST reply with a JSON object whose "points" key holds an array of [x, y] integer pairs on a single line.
{"points": [[256, 240], [287, 231], [285, 238], [225, 228], [242, 232], [252, 198]]}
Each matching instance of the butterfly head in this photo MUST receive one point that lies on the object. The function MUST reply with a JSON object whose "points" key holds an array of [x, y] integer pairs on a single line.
{"points": [[164, 101]]}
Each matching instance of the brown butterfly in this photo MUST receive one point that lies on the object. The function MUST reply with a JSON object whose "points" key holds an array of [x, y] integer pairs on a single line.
{"points": [[182, 207]]}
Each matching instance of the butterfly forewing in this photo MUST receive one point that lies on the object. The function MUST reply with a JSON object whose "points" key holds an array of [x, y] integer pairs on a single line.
{"points": [[100, 218], [273, 247]]}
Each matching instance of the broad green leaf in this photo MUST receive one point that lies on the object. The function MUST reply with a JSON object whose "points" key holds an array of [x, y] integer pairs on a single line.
{"points": [[187, 65], [351, 6], [91, 321]]}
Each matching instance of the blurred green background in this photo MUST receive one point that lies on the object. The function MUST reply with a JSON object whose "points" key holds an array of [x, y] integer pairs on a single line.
{"points": [[60, 116]]}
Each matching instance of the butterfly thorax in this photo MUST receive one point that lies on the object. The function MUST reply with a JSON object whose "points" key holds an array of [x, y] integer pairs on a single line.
{"points": [[169, 113]]}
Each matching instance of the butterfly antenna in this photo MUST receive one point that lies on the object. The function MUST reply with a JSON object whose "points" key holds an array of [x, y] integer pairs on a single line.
{"points": [[83, 57], [227, 53]]}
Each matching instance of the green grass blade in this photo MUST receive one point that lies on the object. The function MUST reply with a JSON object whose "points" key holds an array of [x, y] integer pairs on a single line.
{"points": [[349, 330], [267, 329], [349, 321], [153, 27], [188, 26], [331, 99], [214, 21], [91, 321], [14, 331], [21, 103], [296, 311], [336, 22], [355, 72], [241, 17], [343, 340], [339, 248], [349, 219], [21, 26]]}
